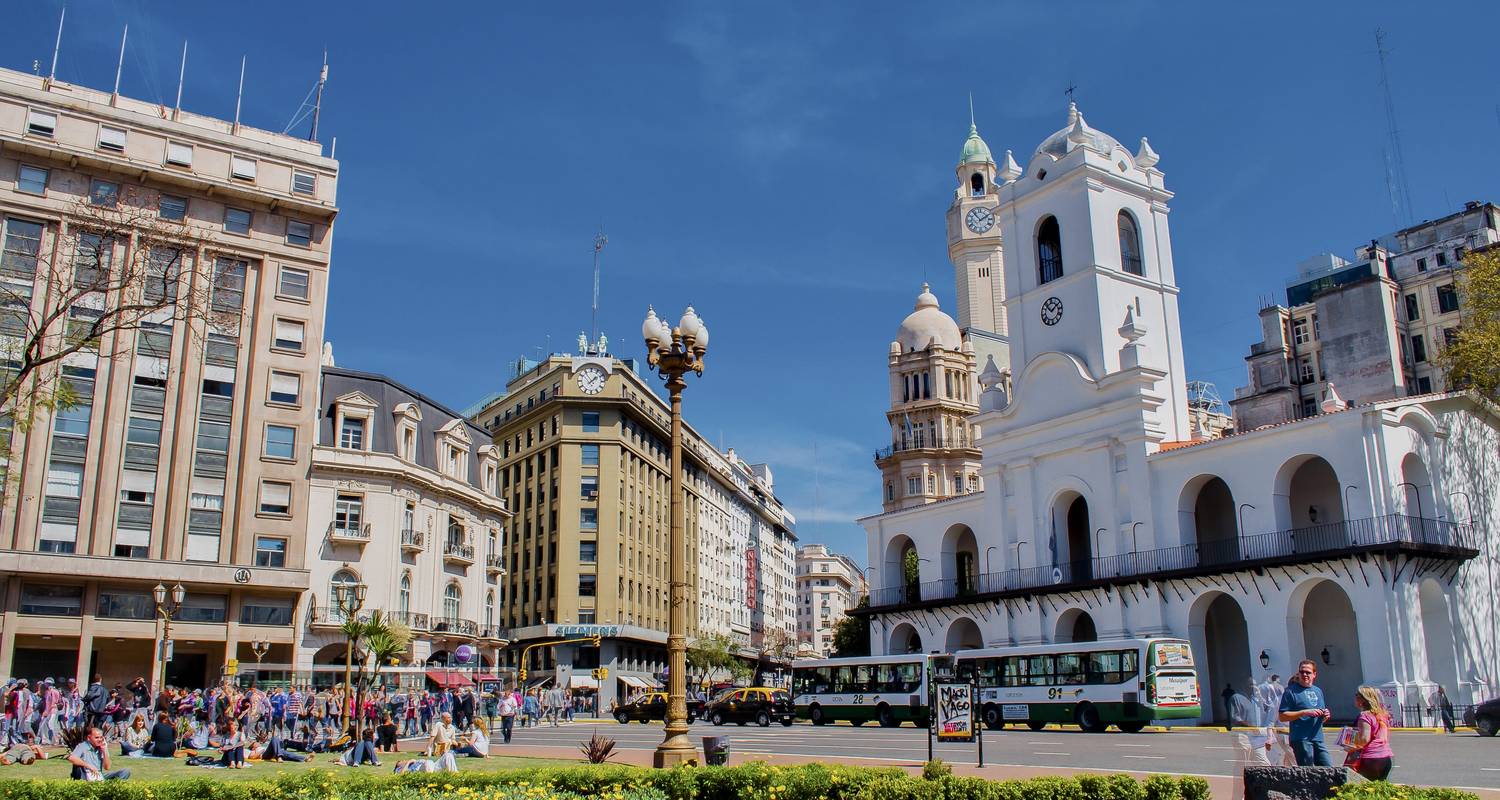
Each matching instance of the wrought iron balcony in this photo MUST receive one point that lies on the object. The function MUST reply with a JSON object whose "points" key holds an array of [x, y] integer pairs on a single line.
{"points": [[1390, 534], [411, 541], [454, 626], [495, 632], [926, 443], [331, 617], [353, 534], [413, 620], [494, 563], [458, 553]]}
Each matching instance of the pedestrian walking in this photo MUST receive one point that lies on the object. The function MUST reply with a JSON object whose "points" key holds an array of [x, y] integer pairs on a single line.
{"points": [[1369, 753], [1445, 708], [1304, 708], [507, 715], [94, 701]]}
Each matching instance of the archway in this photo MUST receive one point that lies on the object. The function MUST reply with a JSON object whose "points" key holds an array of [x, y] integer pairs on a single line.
{"points": [[1074, 542], [1330, 639], [1207, 510], [1075, 625], [963, 634], [901, 570], [333, 655], [1437, 636], [1221, 645], [905, 639], [1417, 502], [961, 559], [1308, 494]]}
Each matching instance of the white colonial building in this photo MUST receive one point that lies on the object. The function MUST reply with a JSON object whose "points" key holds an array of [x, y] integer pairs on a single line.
{"points": [[1362, 537]]}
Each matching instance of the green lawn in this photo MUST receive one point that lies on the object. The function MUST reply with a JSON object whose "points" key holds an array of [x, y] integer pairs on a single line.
{"points": [[165, 769]]}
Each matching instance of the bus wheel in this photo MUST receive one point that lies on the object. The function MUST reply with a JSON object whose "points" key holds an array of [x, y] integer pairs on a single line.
{"points": [[1087, 718], [1132, 727], [816, 715], [992, 718], [1035, 725], [887, 719]]}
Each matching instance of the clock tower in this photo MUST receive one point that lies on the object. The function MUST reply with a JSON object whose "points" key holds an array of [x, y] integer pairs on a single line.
{"points": [[974, 247]]}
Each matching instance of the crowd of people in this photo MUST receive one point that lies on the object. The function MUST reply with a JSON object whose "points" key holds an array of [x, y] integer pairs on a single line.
{"points": [[227, 726]]}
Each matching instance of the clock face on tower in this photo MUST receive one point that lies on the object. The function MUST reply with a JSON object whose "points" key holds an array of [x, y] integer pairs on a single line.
{"points": [[980, 219], [591, 379], [1052, 311]]}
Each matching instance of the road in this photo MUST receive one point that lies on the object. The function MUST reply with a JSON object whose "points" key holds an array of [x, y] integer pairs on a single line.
{"points": [[1428, 759]]}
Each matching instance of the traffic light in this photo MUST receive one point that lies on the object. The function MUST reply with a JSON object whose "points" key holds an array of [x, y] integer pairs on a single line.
{"points": [[594, 673], [523, 676], [602, 673], [595, 639]]}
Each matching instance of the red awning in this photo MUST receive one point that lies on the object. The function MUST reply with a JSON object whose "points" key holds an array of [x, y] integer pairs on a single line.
{"points": [[448, 678], [485, 676]]}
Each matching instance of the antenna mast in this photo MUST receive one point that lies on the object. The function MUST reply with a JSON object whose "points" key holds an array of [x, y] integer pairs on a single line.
{"points": [[600, 240], [318, 100], [1395, 164]]}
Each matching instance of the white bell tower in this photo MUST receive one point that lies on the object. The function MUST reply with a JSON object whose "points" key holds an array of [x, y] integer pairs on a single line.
{"points": [[974, 247], [1088, 264]]}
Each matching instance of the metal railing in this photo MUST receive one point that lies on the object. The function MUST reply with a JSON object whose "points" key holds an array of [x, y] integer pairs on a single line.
{"points": [[926, 443], [413, 620], [455, 626], [495, 561], [1425, 716], [494, 632], [1296, 544], [338, 530], [332, 615], [459, 550], [411, 539]]}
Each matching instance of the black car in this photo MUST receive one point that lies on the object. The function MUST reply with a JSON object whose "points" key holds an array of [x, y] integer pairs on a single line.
{"points": [[760, 704], [1487, 717], [653, 705]]}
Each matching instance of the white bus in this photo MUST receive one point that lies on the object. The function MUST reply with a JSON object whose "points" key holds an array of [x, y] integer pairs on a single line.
{"points": [[1128, 683], [889, 690]]}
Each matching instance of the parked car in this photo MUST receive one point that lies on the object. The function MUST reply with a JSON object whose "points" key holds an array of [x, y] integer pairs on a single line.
{"points": [[760, 704], [1487, 717], [653, 705]]}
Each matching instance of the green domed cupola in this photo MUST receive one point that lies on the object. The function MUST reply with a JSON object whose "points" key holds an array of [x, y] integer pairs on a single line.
{"points": [[975, 150]]}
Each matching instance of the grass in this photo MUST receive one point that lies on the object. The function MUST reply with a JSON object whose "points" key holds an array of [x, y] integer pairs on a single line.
{"points": [[57, 767]]}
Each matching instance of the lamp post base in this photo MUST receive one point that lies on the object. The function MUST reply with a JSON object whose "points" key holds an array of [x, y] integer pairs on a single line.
{"points": [[675, 752]]}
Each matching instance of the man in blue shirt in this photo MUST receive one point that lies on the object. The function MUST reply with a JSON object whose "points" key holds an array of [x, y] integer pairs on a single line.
{"points": [[1302, 705]]}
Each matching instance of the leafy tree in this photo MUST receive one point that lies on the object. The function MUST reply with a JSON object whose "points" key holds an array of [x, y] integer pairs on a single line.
{"points": [[851, 635], [911, 573], [716, 653], [1471, 358]]}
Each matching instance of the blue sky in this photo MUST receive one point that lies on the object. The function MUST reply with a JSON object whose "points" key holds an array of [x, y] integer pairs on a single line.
{"points": [[785, 168]]}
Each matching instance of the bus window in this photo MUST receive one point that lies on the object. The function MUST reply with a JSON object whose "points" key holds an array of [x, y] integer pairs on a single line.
{"points": [[988, 672], [1039, 670], [1070, 668], [1104, 667], [965, 671], [864, 678], [1130, 664], [909, 677], [843, 680], [1013, 671]]}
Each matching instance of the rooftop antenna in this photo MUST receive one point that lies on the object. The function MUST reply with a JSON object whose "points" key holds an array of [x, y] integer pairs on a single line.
{"points": [[239, 95], [600, 240], [119, 66], [1395, 166], [318, 100], [181, 73], [57, 46]]}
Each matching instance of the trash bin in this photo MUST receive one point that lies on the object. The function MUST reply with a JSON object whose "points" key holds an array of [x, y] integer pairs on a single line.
{"points": [[716, 750]]}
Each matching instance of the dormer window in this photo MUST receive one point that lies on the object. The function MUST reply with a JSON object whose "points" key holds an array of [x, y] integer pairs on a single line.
{"points": [[352, 434], [976, 185], [353, 413], [453, 450]]}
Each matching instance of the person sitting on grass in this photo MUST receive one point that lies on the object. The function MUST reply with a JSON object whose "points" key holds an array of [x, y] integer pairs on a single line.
{"points": [[233, 746], [270, 746], [385, 739], [24, 753], [443, 763], [473, 742], [163, 741], [363, 752], [136, 738], [444, 736], [91, 761]]}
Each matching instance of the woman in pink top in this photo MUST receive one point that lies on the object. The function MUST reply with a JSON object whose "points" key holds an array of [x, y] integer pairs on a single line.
{"points": [[1370, 752]]}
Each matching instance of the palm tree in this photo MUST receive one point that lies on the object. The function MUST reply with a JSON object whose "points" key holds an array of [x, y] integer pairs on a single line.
{"points": [[382, 639]]}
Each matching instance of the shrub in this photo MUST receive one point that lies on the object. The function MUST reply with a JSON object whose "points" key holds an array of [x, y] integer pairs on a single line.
{"points": [[598, 748], [935, 769]]}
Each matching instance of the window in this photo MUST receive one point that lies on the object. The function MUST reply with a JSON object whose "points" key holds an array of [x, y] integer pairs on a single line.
{"points": [[588, 552], [913, 485], [1421, 265], [1130, 245], [1413, 308], [1049, 251], [73, 420], [31, 180], [1447, 297], [1458, 254], [203, 608], [292, 283], [242, 168], [266, 611], [289, 335], [104, 193], [590, 453], [270, 551], [1442, 258], [1309, 406], [588, 487], [275, 497], [41, 123], [1305, 371], [213, 437], [348, 511], [298, 234], [403, 596], [51, 600], [286, 388], [304, 182], [588, 518], [23, 240], [171, 207], [586, 585], [1424, 385], [590, 422], [111, 138], [64, 479], [281, 441], [126, 604], [237, 220], [229, 284], [1418, 349], [352, 433], [179, 154], [452, 601], [1301, 331]]}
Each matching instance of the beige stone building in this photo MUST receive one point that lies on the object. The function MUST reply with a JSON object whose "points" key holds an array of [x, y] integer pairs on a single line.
{"points": [[405, 498], [585, 449], [193, 436], [828, 585]]}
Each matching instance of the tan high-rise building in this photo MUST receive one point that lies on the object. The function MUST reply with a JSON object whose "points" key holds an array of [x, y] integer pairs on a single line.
{"points": [[585, 465], [191, 436]]}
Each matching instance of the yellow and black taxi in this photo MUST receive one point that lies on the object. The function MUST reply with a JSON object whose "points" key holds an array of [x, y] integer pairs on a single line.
{"points": [[759, 704], [650, 706]]}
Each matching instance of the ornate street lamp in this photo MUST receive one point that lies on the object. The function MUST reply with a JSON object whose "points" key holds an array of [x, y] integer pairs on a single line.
{"points": [[350, 598], [259, 647], [166, 609], [674, 353]]}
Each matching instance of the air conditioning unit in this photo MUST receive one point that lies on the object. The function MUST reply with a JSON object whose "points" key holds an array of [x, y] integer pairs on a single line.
{"points": [[594, 495]]}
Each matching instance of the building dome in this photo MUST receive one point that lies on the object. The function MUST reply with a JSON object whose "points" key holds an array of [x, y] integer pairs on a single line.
{"points": [[1076, 133], [926, 324], [975, 150]]}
